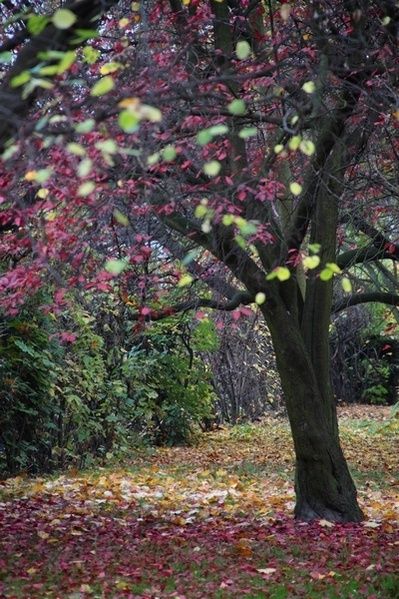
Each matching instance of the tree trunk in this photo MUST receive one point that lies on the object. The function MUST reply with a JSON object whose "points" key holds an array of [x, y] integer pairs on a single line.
{"points": [[323, 484]]}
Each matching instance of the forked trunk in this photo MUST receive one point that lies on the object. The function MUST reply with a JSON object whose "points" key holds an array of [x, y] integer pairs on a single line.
{"points": [[323, 484]]}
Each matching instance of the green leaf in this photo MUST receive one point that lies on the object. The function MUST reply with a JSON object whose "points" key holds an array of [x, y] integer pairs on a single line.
{"points": [[326, 274], [204, 137], [110, 67], [75, 148], [85, 126], [185, 280], [278, 148], [247, 132], [83, 35], [24, 347], [212, 168], [307, 147], [86, 188], [51, 55], [153, 158], [36, 24], [311, 262], [5, 57], [314, 247], [294, 142], [43, 174], [237, 107], [247, 228], [66, 61], [90, 54], [309, 87], [201, 211], [121, 218], [150, 113], [190, 256], [333, 267], [20, 79], [128, 121], [49, 70], [108, 146], [63, 18], [169, 153], [260, 298], [243, 50], [228, 219], [9, 152], [239, 239], [347, 286], [281, 273], [85, 167], [218, 129], [115, 267], [102, 86]]}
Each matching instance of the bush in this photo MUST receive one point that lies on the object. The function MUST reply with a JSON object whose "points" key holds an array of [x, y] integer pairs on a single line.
{"points": [[27, 377], [71, 403], [365, 355], [169, 384]]}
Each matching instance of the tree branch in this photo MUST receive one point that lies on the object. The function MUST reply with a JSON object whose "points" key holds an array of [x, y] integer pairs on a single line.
{"points": [[364, 298], [240, 298], [13, 104], [367, 254]]}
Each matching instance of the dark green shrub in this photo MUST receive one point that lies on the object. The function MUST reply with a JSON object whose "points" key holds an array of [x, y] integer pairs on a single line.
{"points": [[169, 384], [28, 411]]}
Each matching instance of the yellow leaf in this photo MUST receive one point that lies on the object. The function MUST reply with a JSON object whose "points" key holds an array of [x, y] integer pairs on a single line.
{"points": [[371, 524], [295, 188], [30, 175], [110, 67], [309, 87], [266, 570], [307, 147], [185, 280], [326, 523], [285, 11]]}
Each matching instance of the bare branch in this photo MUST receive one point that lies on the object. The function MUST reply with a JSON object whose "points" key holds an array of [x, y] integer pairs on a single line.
{"points": [[364, 298]]}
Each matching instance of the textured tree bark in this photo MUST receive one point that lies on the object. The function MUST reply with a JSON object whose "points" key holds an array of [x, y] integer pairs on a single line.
{"points": [[323, 484]]}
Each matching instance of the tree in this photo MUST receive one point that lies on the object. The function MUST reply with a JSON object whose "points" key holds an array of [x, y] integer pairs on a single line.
{"points": [[244, 147]]}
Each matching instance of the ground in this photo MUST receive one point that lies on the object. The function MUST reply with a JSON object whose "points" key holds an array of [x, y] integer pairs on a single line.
{"points": [[210, 521]]}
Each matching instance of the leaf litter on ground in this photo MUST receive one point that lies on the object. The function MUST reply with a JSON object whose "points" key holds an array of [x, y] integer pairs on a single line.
{"points": [[213, 520]]}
